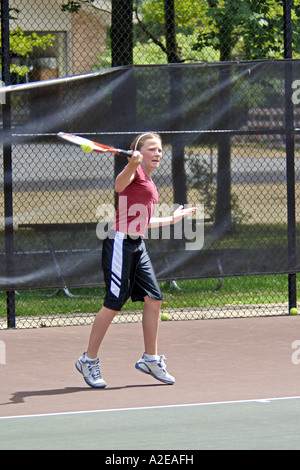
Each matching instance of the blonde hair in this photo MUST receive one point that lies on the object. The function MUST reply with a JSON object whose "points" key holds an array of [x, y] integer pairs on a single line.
{"points": [[141, 138]]}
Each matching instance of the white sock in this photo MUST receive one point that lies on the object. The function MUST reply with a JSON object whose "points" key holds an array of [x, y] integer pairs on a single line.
{"points": [[151, 357], [89, 359]]}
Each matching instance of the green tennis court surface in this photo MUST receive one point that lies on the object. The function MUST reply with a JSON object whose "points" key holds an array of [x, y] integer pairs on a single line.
{"points": [[261, 424]]}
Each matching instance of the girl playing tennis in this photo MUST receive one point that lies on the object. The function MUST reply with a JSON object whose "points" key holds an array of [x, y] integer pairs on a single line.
{"points": [[127, 268]]}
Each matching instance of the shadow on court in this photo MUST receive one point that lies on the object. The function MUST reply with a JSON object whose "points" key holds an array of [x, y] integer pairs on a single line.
{"points": [[232, 376], [21, 397]]}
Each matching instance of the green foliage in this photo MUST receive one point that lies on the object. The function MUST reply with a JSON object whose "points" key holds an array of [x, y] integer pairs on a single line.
{"points": [[22, 44], [188, 14], [251, 29], [145, 53]]}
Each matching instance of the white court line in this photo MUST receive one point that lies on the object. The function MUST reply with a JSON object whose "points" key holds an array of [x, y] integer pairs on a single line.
{"points": [[113, 410]]}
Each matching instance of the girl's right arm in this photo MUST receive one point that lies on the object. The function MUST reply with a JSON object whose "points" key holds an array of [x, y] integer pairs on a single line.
{"points": [[127, 175]]}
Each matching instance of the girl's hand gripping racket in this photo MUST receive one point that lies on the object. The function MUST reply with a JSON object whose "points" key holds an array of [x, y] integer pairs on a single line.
{"points": [[88, 146]]}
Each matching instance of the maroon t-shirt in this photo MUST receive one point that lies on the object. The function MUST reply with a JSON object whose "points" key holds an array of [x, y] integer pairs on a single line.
{"points": [[136, 205]]}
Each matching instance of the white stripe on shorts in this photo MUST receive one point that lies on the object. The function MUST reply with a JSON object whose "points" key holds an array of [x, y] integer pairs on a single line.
{"points": [[117, 264]]}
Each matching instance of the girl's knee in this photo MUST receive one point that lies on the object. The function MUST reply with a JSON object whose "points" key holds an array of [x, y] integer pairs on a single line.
{"points": [[155, 303]]}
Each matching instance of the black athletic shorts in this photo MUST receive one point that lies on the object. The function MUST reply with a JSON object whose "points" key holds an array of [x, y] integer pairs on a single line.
{"points": [[128, 271]]}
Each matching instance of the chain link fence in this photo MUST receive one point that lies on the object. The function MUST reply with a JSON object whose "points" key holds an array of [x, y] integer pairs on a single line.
{"points": [[211, 79]]}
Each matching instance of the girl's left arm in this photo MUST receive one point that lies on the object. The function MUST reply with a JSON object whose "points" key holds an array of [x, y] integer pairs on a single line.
{"points": [[177, 215]]}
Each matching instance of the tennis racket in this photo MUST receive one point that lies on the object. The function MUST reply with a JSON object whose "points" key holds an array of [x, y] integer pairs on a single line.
{"points": [[92, 146]]}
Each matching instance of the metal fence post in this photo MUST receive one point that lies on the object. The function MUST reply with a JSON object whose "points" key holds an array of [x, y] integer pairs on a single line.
{"points": [[290, 152], [7, 161]]}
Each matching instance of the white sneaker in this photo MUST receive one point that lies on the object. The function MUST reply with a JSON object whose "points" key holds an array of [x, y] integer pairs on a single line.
{"points": [[156, 368], [90, 371]]}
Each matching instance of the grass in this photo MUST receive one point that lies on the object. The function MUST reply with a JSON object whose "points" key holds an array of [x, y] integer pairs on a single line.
{"points": [[194, 293], [234, 291]]}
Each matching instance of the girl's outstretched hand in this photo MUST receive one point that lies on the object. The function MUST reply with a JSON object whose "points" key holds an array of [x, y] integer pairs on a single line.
{"points": [[180, 213]]}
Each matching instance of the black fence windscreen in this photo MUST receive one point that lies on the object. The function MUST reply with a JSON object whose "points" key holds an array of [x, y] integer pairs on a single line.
{"points": [[224, 129]]}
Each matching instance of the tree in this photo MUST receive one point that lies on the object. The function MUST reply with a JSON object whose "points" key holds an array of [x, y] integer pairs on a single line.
{"points": [[165, 21], [246, 30]]}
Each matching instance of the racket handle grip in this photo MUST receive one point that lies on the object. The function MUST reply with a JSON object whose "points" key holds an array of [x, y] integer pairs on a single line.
{"points": [[125, 153]]}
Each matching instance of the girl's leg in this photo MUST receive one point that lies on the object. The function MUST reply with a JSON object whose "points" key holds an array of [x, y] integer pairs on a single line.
{"points": [[150, 362], [150, 324], [100, 326]]}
